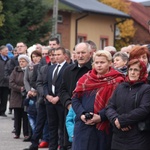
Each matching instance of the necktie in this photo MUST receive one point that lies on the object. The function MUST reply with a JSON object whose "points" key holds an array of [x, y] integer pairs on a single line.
{"points": [[55, 75]]}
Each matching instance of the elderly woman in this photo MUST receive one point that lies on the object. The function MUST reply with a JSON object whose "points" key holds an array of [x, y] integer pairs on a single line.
{"points": [[120, 60], [90, 98], [123, 113], [141, 53], [16, 99]]}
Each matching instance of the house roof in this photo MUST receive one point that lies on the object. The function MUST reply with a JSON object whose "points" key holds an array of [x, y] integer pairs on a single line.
{"points": [[61, 6], [140, 14], [94, 6], [146, 3]]}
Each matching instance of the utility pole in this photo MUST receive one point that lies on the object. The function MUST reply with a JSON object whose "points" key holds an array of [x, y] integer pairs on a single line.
{"points": [[55, 16]]}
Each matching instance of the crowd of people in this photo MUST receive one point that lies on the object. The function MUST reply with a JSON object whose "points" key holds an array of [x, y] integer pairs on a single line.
{"points": [[84, 99]]}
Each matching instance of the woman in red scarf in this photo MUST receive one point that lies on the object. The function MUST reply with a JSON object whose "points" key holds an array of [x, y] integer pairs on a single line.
{"points": [[129, 105], [90, 98]]}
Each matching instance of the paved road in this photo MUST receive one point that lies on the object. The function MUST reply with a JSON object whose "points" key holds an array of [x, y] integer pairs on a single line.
{"points": [[7, 142]]}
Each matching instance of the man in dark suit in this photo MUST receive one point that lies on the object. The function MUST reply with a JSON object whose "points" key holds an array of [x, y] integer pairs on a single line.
{"points": [[54, 108], [70, 77]]}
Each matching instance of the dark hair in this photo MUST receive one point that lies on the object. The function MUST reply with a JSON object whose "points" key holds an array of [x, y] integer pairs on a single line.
{"points": [[15, 49], [2, 47], [36, 53], [51, 50], [22, 42], [55, 39], [68, 53], [62, 49]]}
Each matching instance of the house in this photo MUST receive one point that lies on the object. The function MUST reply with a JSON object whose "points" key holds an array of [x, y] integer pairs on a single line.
{"points": [[146, 3], [140, 13], [81, 20]]}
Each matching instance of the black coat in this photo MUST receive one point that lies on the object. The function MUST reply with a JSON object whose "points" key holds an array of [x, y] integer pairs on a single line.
{"points": [[70, 77], [4, 82], [11, 64], [45, 60], [34, 75], [41, 77], [122, 106]]}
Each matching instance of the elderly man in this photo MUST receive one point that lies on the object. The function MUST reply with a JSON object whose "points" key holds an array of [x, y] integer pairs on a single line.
{"points": [[71, 75]]}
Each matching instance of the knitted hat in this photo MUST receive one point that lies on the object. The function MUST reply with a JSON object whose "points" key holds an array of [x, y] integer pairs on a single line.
{"points": [[23, 56], [10, 47]]}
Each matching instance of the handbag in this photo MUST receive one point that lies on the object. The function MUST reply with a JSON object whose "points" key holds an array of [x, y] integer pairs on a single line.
{"points": [[143, 125]]}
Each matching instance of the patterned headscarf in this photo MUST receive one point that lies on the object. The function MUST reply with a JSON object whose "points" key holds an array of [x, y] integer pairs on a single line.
{"points": [[143, 72]]}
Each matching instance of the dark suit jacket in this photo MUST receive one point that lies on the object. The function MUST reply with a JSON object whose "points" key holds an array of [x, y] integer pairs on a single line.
{"points": [[70, 77], [41, 77], [11, 64], [48, 82], [3, 79], [45, 60]]}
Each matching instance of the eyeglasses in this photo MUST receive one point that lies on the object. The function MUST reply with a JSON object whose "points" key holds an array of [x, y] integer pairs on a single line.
{"points": [[135, 70]]}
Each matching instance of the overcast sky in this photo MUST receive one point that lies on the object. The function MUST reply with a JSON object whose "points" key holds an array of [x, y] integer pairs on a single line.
{"points": [[139, 0]]}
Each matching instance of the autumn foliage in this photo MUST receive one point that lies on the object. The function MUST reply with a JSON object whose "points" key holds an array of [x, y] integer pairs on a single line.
{"points": [[1, 15], [126, 28]]}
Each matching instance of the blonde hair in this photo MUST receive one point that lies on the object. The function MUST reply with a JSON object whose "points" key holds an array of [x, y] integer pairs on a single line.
{"points": [[104, 53]]}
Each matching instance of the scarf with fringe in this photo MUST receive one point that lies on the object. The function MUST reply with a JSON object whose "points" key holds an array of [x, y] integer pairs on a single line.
{"points": [[104, 85]]}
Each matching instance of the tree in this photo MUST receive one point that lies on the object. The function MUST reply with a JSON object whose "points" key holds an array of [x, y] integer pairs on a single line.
{"points": [[1, 15], [126, 28], [25, 20]]}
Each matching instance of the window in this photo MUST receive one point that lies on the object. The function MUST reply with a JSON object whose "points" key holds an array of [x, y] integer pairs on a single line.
{"points": [[81, 38], [103, 42], [117, 34], [60, 19]]}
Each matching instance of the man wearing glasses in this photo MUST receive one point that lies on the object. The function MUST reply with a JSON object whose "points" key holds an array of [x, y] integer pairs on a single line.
{"points": [[12, 63]]}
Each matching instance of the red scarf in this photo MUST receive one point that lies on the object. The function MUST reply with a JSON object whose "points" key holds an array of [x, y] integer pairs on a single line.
{"points": [[104, 85], [47, 59]]}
